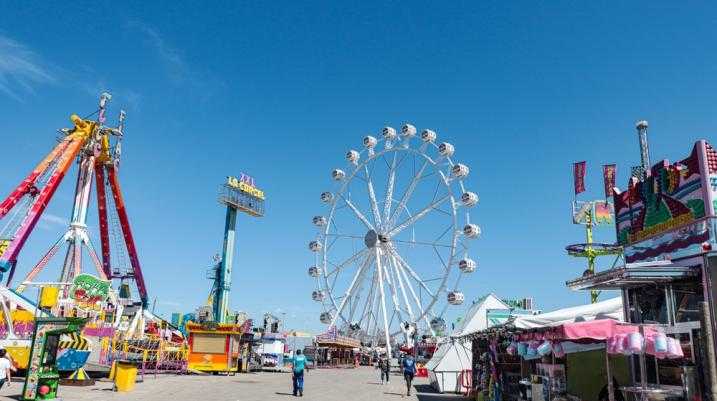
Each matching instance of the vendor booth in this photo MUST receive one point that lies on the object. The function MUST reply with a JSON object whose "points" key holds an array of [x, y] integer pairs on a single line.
{"points": [[665, 222], [449, 369], [333, 350], [500, 372]]}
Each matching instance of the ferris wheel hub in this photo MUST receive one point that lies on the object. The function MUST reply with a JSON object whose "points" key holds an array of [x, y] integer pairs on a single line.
{"points": [[373, 239]]}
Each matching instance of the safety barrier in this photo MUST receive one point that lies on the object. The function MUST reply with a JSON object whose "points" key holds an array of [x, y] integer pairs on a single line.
{"points": [[151, 354]]}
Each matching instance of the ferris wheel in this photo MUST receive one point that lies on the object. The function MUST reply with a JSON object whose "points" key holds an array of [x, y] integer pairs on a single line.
{"points": [[392, 243]]}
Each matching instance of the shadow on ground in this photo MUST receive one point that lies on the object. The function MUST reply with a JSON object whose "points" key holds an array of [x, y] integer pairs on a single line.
{"points": [[425, 392]]}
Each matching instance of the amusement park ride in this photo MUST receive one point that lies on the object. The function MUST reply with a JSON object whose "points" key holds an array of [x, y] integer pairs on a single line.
{"points": [[602, 212], [96, 147], [215, 339], [406, 252]]}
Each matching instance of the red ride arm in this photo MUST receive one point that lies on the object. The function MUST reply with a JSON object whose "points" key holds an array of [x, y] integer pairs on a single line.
{"points": [[28, 182], [7, 259], [127, 232], [102, 214]]}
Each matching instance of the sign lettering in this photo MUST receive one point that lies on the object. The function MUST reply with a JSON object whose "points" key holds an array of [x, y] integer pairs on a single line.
{"points": [[245, 184]]}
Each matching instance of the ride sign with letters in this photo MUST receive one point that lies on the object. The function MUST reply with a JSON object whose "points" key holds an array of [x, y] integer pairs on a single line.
{"points": [[245, 183]]}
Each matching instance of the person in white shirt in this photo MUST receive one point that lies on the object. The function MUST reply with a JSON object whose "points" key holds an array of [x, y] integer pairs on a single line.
{"points": [[6, 368]]}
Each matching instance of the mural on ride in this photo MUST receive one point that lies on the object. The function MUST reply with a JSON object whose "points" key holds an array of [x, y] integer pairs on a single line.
{"points": [[664, 213]]}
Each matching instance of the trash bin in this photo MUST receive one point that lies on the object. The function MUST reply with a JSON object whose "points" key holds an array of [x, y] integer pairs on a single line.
{"points": [[125, 376]]}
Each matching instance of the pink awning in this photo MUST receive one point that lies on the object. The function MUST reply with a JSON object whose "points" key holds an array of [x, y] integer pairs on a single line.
{"points": [[592, 331]]}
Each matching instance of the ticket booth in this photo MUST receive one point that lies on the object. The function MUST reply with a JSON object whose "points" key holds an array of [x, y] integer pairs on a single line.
{"points": [[214, 347]]}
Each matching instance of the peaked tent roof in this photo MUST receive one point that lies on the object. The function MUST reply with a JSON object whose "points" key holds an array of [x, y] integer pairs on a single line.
{"points": [[608, 309], [451, 356], [476, 318]]}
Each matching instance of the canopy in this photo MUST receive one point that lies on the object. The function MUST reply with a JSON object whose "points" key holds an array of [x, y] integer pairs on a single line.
{"points": [[476, 318], [593, 331], [451, 356], [608, 309]]}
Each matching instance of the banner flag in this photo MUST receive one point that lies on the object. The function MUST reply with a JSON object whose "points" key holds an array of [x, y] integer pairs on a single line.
{"points": [[608, 174], [579, 177]]}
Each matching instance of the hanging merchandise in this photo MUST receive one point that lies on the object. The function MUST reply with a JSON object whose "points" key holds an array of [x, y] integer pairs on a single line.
{"points": [[545, 348]]}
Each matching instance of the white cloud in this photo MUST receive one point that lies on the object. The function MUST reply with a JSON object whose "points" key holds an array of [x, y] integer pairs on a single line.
{"points": [[20, 69], [52, 219], [169, 55]]}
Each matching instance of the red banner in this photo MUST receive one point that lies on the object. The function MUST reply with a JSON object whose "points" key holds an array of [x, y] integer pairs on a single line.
{"points": [[608, 175], [579, 177]]}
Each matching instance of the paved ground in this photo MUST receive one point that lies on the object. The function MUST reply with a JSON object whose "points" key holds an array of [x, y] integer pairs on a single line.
{"points": [[360, 384]]}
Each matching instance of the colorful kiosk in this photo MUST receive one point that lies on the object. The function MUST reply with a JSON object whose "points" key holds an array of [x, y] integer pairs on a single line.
{"points": [[216, 347], [666, 223]]}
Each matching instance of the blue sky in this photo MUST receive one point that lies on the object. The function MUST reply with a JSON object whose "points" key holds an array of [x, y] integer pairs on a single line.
{"points": [[283, 90]]}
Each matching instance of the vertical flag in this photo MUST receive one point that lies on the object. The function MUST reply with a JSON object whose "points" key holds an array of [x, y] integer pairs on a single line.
{"points": [[579, 177], [608, 176]]}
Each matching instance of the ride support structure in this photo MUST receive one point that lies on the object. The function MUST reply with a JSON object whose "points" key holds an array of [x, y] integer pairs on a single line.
{"points": [[97, 149], [238, 194]]}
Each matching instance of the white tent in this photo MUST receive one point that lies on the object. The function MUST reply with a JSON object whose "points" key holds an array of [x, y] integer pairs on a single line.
{"points": [[450, 364], [608, 309], [476, 318]]}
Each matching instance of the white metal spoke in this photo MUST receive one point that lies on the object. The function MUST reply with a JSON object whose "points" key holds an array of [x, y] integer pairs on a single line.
{"points": [[357, 297], [346, 262], [358, 213], [397, 274], [413, 219], [383, 302], [407, 195], [350, 290], [412, 273], [421, 311], [392, 286], [389, 189], [431, 244], [372, 198], [369, 300]]}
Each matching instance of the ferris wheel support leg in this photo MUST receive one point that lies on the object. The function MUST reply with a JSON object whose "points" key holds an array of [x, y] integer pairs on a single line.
{"points": [[102, 216], [392, 263], [412, 273], [8, 258], [348, 293], [391, 285], [127, 233], [383, 303], [30, 180], [413, 292]]}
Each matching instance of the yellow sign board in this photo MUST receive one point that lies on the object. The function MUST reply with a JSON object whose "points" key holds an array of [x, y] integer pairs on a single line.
{"points": [[245, 184]]}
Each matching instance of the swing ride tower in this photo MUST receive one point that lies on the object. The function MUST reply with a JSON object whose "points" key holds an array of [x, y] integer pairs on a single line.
{"points": [[97, 149]]}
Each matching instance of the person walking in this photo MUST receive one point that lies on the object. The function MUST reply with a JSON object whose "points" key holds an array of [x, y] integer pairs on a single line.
{"points": [[299, 365], [384, 365], [6, 368], [409, 371]]}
